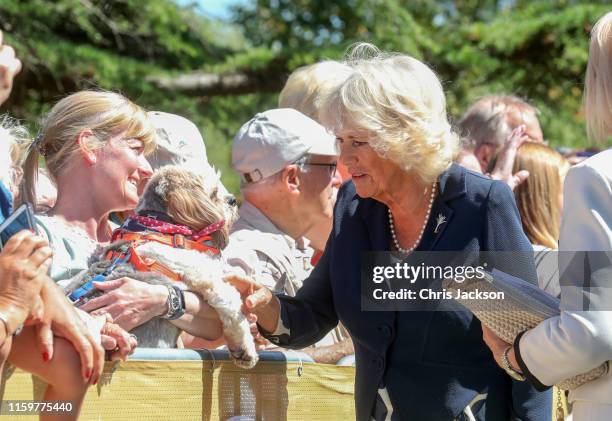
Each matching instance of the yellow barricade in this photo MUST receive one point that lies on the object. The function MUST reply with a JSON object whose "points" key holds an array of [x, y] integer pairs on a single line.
{"points": [[208, 390]]}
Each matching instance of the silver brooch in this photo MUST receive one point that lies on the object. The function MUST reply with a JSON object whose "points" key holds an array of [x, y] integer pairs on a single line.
{"points": [[439, 221]]}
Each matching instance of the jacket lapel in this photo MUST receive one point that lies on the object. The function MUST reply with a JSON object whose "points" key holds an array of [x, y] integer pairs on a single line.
{"points": [[376, 221], [451, 185]]}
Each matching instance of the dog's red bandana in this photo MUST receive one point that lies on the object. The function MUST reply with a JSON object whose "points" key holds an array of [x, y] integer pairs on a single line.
{"points": [[168, 228]]}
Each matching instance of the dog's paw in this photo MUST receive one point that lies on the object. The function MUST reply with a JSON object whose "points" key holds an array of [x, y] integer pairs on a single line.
{"points": [[244, 356]]}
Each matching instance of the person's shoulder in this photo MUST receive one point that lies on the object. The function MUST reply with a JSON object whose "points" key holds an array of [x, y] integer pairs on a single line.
{"points": [[601, 161], [588, 186], [249, 234], [252, 240], [478, 182], [598, 166], [477, 187]]}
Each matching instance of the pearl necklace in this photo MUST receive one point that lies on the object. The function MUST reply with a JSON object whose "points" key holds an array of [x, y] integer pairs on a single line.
{"points": [[418, 240]]}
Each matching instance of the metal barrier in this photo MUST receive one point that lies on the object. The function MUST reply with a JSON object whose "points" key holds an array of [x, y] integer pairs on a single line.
{"points": [[181, 384]]}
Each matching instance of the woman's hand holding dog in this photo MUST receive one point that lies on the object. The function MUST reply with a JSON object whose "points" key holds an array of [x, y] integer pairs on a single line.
{"points": [[257, 300], [132, 303], [129, 302]]}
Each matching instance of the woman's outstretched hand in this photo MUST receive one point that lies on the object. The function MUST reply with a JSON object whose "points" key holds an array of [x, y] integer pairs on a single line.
{"points": [[257, 300]]}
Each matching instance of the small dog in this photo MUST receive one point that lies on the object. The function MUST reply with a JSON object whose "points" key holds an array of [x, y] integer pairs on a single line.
{"points": [[179, 198]]}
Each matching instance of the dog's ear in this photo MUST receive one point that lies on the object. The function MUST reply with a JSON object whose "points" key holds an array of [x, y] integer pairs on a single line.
{"points": [[155, 193], [162, 187], [189, 199], [198, 209]]}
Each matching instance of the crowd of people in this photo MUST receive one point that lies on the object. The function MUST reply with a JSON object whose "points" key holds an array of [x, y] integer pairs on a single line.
{"points": [[359, 156]]}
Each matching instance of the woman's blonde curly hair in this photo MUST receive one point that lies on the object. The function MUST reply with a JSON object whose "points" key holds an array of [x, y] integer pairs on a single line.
{"points": [[401, 102]]}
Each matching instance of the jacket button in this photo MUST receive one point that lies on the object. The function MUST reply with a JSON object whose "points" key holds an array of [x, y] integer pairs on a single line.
{"points": [[385, 331]]}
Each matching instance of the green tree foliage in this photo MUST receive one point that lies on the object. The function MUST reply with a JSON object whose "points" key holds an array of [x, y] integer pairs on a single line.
{"points": [[68, 45], [535, 49]]}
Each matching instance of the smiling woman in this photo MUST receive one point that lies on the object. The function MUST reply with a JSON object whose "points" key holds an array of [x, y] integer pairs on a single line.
{"points": [[93, 144], [85, 136]]}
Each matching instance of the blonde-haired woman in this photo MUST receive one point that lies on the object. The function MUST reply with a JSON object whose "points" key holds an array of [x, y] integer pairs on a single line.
{"points": [[580, 339], [93, 144], [540, 203], [308, 85], [540, 198], [74, 359], [598, 83], [405, 196]]}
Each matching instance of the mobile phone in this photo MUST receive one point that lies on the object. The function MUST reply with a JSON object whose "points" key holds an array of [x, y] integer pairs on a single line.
{"points": [[21, 219]]}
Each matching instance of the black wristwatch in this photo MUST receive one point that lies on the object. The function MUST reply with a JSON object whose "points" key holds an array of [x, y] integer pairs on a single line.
{"points": [[176, 303]]}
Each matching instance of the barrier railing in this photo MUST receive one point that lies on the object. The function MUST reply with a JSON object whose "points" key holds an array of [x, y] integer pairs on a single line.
{"points": [[175, 384]]}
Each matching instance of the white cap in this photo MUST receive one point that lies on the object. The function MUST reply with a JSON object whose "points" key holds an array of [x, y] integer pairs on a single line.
{"points": [[180, 143], [275, 138]]}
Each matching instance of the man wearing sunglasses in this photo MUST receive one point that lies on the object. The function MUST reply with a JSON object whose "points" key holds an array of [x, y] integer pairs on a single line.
{"points": [[287, 166]]}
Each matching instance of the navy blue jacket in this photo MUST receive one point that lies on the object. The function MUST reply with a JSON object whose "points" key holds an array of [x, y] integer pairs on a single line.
{"points": [[433, 364]]}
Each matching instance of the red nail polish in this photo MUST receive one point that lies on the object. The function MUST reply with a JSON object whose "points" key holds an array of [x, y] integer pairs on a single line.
{"points": [[45, 356], [96, 382], [88, 375]]}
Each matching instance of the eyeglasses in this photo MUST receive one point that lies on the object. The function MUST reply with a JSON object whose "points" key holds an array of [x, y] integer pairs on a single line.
{"points": [[332, 167]]}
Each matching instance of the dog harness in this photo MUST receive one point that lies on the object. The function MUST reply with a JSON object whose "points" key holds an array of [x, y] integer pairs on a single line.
{"points": [[138, 230], [173, 235]]}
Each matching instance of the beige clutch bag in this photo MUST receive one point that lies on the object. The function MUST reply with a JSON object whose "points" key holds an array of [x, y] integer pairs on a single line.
{"points": [[523, 307]]}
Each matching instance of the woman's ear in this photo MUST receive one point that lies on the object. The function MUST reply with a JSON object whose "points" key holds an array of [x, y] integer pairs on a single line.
{"points": [[81, 140]]}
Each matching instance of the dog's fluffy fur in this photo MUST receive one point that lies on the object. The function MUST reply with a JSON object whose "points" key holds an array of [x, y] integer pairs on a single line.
{"points": [[190, 200]]}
